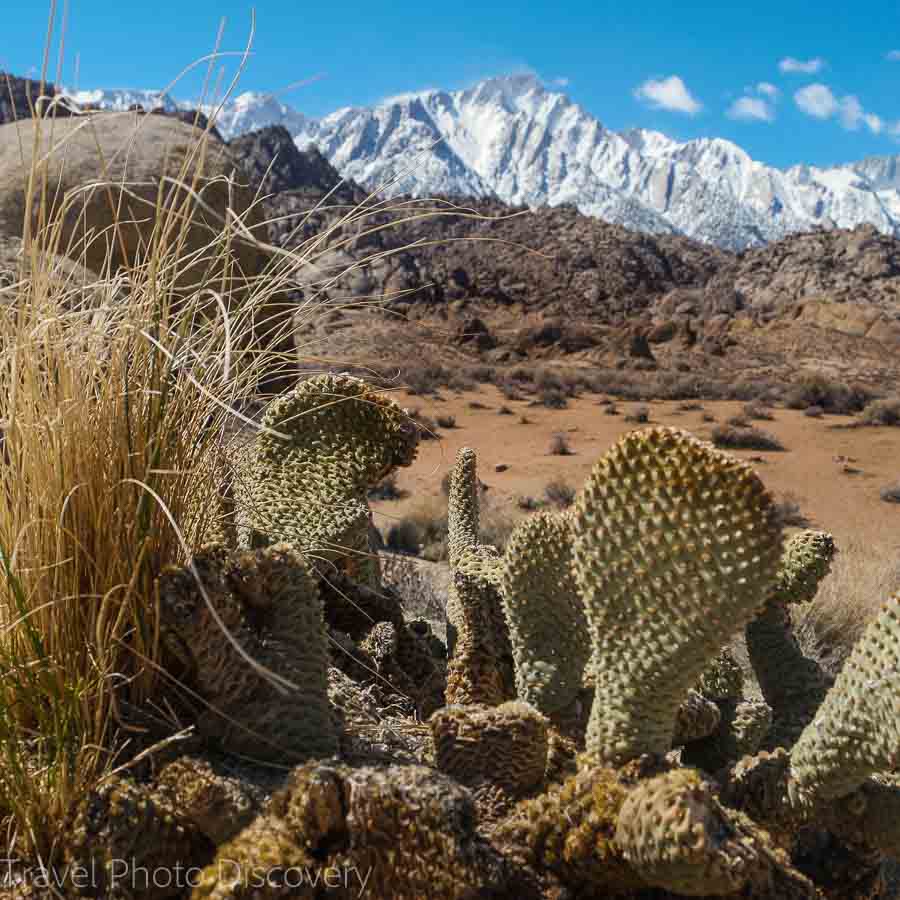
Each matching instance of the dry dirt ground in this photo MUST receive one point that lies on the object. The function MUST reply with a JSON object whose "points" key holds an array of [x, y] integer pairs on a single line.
{"points": [[834, 472]]}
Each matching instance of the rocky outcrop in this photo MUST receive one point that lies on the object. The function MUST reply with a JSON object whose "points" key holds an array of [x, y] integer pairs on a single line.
{"points": [[20, 96], [139, 152]]}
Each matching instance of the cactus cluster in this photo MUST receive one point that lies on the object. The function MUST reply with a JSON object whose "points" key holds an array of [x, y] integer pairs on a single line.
{"points": [[591, 735]]}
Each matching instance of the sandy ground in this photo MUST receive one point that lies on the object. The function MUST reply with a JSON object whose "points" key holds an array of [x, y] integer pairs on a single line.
{"points": [[845, 503]]}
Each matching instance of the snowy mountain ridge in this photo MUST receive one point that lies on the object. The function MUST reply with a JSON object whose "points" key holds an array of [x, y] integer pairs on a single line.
{"points": [[514, 139]]}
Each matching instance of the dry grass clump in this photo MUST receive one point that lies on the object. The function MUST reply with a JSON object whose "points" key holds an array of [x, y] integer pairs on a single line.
{"points": [[758, 411], [423, 530], [115, 397], [559, 446], [560, 493], [833, 396], [891, 493], [881, 412], [744, 438], [863, 577], [445, 421], [639, 415]]}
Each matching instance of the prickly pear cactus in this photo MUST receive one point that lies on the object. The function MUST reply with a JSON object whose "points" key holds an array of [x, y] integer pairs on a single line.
{"points": [[477, 635], [856, 731], [676, 545], [305, 478], [547, 625], [248, 630]]}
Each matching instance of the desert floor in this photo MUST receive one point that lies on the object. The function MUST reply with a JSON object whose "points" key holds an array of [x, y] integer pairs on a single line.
{"points": [[834, 472]]}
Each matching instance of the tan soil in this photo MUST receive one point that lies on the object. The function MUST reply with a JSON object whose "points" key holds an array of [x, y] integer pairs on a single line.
{"points": [[846, 504]]}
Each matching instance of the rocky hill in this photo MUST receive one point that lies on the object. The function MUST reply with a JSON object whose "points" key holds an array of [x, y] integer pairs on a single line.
{"points": [[484, 284]]}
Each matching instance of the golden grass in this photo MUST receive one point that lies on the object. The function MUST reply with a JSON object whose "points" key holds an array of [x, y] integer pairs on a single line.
{"points": [[862, 578]]}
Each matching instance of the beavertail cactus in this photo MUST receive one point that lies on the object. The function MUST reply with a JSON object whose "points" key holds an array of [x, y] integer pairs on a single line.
{"points": [[792, 684], [697, 718], [673, 830], [306, 477], [477, 636], [547, 625], [407, 830], [503, 745], [856, 731], [264, 682], [126, 839], [569, 830], [676, 544], [218, 806]]}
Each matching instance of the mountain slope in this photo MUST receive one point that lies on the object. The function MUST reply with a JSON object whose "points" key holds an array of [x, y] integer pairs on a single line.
{"points": [[514, 140]]}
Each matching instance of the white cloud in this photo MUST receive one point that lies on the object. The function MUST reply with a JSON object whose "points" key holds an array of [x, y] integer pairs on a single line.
{"points": [[751, 108], [768, 89], [874, 122], [560, 82], [670, 93], [893, 56], [817, 100], [851, 112], [806, 67]]}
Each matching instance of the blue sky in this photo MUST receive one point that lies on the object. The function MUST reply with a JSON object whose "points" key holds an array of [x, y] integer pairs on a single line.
{"points": [[789, 81]]}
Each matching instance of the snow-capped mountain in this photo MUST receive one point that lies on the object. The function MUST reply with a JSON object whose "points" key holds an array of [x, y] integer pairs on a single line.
{"points": [[251, 111], [514, 139], [121, 99]]}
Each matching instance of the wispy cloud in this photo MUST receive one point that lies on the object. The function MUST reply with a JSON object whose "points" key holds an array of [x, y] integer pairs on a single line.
{"points": [[805, 67], [560, 82], [752, 109], [757, 104], [893, 55], [818, 100], [669, 93]]}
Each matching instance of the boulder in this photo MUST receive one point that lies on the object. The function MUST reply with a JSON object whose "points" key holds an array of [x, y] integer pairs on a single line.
{"points": [[140, 150]]}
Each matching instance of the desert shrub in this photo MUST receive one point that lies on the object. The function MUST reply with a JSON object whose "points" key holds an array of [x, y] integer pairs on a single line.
{"points": [[749, 438], [787, 509], [559, 446], [524, 420], [690, 406], [708, 417], [426, 426], [387, 489], [425, 379], [814, 412], [496, 525], [461, 383], [529, 504], [560, 493], [891, 493], [510, 390], [881, 412], [553, 398], [758, 411], [738, 421], [415, 583], [833, 396], [477, 404], [423, 526], [445, 421], [640, 415], [482, 374], [504, 411]]}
